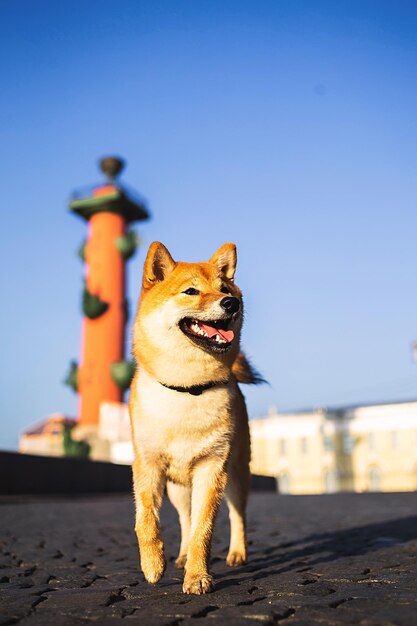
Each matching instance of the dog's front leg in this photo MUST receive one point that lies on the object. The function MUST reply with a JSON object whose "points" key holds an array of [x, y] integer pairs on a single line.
{"points": [[149, 483], [209, 481]]}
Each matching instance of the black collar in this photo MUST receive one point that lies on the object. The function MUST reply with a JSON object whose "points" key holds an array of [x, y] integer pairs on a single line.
{"points": [[195, 390]]}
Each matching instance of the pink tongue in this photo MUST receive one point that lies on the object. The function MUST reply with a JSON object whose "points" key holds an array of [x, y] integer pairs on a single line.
{"points": [[227, 335]]}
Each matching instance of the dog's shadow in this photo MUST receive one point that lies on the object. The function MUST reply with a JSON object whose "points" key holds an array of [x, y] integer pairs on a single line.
{"points": [[319, 548]]}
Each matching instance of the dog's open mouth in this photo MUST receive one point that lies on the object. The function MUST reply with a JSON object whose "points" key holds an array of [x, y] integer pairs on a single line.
{"points": [[214, 334]]}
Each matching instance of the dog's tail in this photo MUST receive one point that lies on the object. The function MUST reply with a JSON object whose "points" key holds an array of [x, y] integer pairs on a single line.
{"points": [[244, 372]]}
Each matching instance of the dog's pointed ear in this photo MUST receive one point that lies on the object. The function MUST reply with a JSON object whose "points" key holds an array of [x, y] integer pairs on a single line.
{"points": [[225, 259], [158, 264]]}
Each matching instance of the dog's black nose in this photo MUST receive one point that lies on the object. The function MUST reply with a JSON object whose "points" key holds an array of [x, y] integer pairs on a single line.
{"points": [[229, 304]]}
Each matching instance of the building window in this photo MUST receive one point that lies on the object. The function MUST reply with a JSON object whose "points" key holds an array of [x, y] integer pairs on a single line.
{"points": [[394, 439], [330, 481], [283, 483], [374, 479], [371, 441], [348, 443], [328, 443], [304, 445], [282, 447]]}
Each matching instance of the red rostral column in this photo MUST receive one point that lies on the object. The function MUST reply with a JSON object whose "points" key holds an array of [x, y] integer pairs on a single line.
{"points": [[103, 374]]}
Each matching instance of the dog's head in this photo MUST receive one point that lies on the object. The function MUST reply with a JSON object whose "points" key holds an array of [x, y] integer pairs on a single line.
{"points": [[190, 314]]}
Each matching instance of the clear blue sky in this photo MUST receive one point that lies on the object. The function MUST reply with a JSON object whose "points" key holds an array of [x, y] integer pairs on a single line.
{"points": [[286, 126]]}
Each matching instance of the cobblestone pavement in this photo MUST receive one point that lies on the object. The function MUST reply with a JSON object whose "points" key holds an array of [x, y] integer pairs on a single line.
{"points": [[340, 559]]}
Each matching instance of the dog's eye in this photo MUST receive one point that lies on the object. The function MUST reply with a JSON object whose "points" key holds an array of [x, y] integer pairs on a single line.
{"points": [[224, 289], [191, 291]]}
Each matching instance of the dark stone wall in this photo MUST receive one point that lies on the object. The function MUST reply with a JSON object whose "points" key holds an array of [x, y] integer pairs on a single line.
{"points": [[32, 474]]}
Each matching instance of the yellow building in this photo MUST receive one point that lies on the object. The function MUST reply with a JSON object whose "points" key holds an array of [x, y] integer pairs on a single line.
{"points": [[360, 448], [109, 441], [384, 454], [45, 437]]}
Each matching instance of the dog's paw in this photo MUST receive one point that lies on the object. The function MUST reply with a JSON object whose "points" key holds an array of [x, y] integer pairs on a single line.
{"points": [[153, 573], [234, 559], [198, 583], [181, 561], [153, 565]]}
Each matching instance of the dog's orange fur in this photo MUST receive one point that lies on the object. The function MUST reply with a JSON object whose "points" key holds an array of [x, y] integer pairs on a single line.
{"points": [[196, 445]]}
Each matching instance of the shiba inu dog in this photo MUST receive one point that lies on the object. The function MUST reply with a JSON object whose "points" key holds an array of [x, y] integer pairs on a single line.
{"points": [[189, 421]]}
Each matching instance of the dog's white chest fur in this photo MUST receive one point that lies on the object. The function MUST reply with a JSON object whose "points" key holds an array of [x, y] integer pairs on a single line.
{"points": [[178, 428]]}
